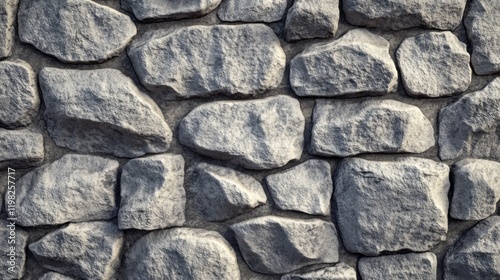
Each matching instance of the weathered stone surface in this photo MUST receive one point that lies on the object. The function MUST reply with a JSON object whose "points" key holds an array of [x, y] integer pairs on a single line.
{"points": [[74, 188], [277, 245], [8, 11], [394, 205], [183, 63], [312, 19], [476, 189], [54, 276], [181, 254], [102, 111], [471, 125], [146, 10], [340, 271], [258, 134], [356, 64], [20, 148], [152, 193], [306, 187], [346, 128], [223, 193], [252, 10], [12, 262], [396, 14], [395, 267], [434, 64], [476, 255], [84, 250]]}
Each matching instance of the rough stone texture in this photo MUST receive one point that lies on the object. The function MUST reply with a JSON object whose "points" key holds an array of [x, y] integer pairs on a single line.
{"points": [[102, 111], [434, 64], [147, 10], [54, 276], [395, 267], [8, 10], [181, 254], [279, 245], [306, 187], [252, 10], [20, 148], [152, 193], [12, 269], [84, 250], [340, 271], [346, 128], [223, 193], [258, 134], [471, 125], [200, 51], [312, 19], [356, 64], [391, 206], [476, 255], [74, 31]]}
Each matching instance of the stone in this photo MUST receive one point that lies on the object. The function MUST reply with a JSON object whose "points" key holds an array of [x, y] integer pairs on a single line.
{"points": [[396, 15], [476, 189], [74, 31], [345, 128], [357, 64], [340, 271], [102, 111], [8, 10], [400, 205], [483, 31], [149, 10], [222, 193], [434, 64], [152, 193], [12, 261], [20, 148], [258, 134], [308, 19], [470, 127], [252, 10], [306, 187], [54, 276], [83, 250], [74, 188], [277, 245], [181, 254], [181, 64], [415, 266], [476, 255]]}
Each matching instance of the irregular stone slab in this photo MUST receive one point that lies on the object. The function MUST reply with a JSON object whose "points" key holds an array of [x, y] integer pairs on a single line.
{"points": [[476, 254], [395, 267], [312, 19], [396, 205], [13, 257], [306, 187], [258, 134], [252, 10], [395, 15], [147, 10], [152, 193], [476, 189], [20, 148], [345, 128], [8, 10], [181, 253], [340, 271], [84, 250], [223, 193], [470, 127], [102, 111], [434, 64], [276, 245], [182, 63], [54, 276], [356, 64]]}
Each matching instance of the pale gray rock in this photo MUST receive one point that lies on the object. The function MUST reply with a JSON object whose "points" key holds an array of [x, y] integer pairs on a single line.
{"points": [[356, 64], [20, 148], [12, 261], [147, 10], [252, 10], [258, 134], [84, 250], [181, 254], [413, 266], [306, 187], [182, 64], [54, 276], [340, 271], [102, 111], [74, 31], [395, 205], [8, 11], [434, 64], [345, 128], [277, 245], [308, 19]]}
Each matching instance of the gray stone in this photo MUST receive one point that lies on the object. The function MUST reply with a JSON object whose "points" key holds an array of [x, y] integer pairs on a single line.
{"points": [[152, 193], [13, 252], [434, 64], [391, 206], [346, 128], [223, 193], [252, 10], [470, 127], [356, 64], [20, 148], [258, 134], [54, 276], [147, 10], [340, 271], [74, 31], [308, 19], [83, 250], [8, 11], [102, 111], [182, 63], [276, 245], [181, 254], [395, 267], [306, 187]]}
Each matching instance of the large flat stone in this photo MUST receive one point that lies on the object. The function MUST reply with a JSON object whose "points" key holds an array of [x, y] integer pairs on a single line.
{"points": [[13, 258], [308, 19], [252, 10], [149, 10], [8, 12], [54, 276], [413, 266], [20, 148], [340, 271]]}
